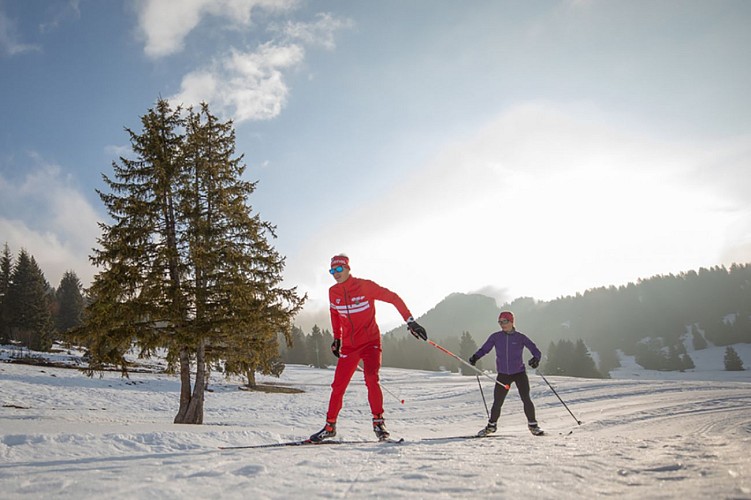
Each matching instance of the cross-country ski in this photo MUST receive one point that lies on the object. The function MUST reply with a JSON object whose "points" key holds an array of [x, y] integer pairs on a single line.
{"points": [[308, 442]]}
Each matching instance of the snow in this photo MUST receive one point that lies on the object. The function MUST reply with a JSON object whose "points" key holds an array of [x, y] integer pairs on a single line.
{"points": [[710, 365], [63, 435]]}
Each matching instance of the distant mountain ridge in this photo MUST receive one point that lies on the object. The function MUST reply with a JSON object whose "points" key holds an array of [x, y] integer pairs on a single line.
{"points": [[457, 313], [651, 316]]}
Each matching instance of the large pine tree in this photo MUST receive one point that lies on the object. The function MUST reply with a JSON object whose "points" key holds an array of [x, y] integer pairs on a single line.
{"points": [[235, 272], [186, 264]]}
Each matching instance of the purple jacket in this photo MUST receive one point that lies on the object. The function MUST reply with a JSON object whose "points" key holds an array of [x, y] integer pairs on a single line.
{"points": [[508, 351]]}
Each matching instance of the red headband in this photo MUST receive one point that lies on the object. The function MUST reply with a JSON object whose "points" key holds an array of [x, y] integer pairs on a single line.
{"points": [[340, 260], [506, 315]]}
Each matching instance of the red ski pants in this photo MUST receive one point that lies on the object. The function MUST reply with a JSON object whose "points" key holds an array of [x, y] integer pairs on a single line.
{"points": [[370, 354]]}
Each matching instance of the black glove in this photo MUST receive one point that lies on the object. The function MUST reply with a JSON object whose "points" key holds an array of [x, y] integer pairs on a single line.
{"points": [[335, 346], [473, 359], [534, 362], [416, 330]]}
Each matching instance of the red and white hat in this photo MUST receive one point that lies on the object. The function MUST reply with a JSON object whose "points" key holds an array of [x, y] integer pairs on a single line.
{"points": [[340, 260], [507, 315]]}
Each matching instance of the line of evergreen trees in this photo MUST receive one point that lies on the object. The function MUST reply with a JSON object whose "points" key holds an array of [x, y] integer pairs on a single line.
{"points": [[565, 357], [312, 349], [32, 313], [399, 351], [649, 319], [570, 358]]}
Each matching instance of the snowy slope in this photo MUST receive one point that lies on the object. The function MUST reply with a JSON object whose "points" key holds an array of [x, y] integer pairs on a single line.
{"points": [[63, 435], [710, 365]]}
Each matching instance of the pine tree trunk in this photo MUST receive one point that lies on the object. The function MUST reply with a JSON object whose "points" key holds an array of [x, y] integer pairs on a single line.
{"points": [[195, 409], [193, 413], [185, 388], [251, 375]]}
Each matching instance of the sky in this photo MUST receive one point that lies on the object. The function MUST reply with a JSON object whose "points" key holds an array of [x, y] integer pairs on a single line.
{"points": [[643, 434], [515, 149]]}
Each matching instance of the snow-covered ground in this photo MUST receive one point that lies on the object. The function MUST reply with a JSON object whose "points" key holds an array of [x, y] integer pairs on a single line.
{"points": [[63, 435], [710, 365]]}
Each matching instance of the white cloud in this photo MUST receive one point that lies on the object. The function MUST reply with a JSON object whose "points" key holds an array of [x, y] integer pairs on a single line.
{"points": [[59, 13], [317, 33], [45, 214], [165, 23], [10, 44], [244, 85], [117, 151], [251, 84]]}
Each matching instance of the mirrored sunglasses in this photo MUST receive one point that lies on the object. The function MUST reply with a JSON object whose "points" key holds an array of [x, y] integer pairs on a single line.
{"points": [[336, 269], [504, 321]]}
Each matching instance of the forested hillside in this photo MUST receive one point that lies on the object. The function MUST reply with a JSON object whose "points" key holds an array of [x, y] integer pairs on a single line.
{"points": [[646, 319]]}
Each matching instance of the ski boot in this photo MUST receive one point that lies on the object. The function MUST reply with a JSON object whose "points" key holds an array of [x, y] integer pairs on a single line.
{"points": [[379, 427], [535, 429], [488, 429], [328, 431]]}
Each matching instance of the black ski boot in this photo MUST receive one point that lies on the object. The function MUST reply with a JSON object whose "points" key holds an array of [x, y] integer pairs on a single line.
{"points": [[328, 431], [535, 429], [379, 427], [488, 430]]}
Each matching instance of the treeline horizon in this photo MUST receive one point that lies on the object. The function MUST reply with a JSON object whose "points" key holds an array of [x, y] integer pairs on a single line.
{"points": [[579, 335], [32, 312], [651, 319]]}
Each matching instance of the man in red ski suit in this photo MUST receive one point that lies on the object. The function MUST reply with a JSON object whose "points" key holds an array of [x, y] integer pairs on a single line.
{"points": [[357, 337]]}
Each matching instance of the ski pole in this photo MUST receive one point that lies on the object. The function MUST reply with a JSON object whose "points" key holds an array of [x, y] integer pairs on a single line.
{"points": [[384, 388], [505, 386], [483, 396], [559, 398]]}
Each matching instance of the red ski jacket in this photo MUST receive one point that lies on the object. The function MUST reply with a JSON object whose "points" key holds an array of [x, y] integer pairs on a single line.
{"points": [[352, 308]]}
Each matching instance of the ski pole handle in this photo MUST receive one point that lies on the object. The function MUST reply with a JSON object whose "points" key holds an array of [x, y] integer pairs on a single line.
{"points": [[505, 386]]}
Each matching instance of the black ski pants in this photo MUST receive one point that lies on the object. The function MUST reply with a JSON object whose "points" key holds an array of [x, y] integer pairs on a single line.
{"points": [[499, 395]]}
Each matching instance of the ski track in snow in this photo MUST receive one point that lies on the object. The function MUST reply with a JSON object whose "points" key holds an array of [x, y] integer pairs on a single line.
{"points": [[68, 436]]}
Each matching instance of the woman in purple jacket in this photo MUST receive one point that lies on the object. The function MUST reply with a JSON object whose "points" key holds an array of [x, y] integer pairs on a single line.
{"points": [[509, 345]]}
